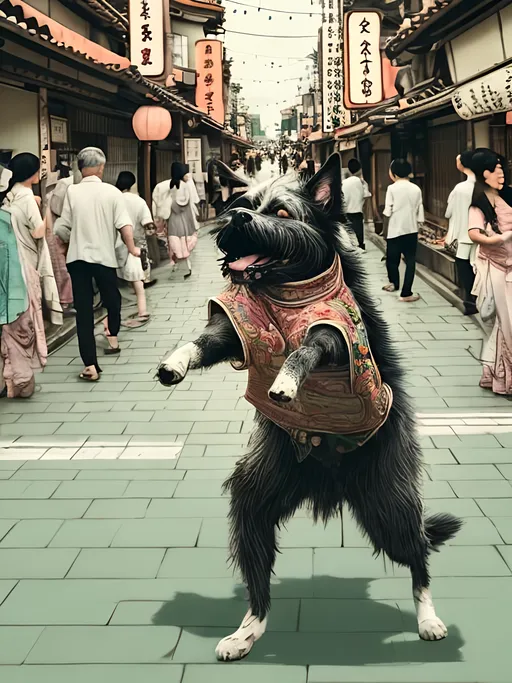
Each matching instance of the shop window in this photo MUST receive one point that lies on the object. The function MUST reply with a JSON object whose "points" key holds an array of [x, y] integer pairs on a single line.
{"points": [[180, 50]]}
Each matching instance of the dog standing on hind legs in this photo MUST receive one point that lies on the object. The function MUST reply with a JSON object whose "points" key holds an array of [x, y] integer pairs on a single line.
{"points": [[333, 424]]}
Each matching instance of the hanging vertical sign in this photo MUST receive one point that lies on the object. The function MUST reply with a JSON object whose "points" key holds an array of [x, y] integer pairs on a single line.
{"points": [[334, 114], [209, 85], [363, 61], [147, 36]]}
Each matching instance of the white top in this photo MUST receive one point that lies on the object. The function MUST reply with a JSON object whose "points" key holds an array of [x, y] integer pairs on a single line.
{"points": [[24, 203], [353, 194], [404, 208], [457, 212], [93, 211], [162, 198], [139, 213]]}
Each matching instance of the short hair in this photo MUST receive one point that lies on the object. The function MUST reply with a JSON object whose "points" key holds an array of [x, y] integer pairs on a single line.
{"points": [[354, 166], [465, 158], [400, 168], [125, 181], [91, 157]]}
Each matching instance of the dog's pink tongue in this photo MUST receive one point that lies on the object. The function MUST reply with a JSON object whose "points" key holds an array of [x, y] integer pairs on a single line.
{"points": [[244, 262]]}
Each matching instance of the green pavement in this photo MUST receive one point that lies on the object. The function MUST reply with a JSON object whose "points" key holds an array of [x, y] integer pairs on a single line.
{"points": [[113, 531]]}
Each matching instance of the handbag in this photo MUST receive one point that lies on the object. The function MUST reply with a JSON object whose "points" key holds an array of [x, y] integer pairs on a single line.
{"points": [[121, 250], [483, 290]]}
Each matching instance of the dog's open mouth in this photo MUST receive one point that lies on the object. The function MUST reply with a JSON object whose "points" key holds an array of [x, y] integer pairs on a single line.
{"points": [[241, 264], [244, 260]]}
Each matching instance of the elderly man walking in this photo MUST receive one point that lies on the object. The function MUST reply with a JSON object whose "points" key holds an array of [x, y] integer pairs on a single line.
{"points": [[93, 216]]}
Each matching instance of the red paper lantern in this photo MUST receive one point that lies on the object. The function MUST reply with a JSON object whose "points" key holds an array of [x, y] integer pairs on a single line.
{"points": [[152, 123]]}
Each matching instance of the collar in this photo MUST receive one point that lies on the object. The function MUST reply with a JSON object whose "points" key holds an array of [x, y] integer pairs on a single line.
{"points": [[307, 292], [20, 190], [91, 179]]}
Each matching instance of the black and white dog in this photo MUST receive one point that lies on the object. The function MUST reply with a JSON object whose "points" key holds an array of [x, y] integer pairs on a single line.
{"points": [[296, 233]]}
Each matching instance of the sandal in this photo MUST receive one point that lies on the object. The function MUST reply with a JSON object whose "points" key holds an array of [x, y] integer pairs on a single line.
{"points": [[87, 377], [389, 288], [136, 321], [112, 350]]}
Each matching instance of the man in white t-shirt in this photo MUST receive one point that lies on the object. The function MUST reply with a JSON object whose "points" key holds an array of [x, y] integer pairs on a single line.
{"points": [[355, 192], [457, 213], [404, 209]]}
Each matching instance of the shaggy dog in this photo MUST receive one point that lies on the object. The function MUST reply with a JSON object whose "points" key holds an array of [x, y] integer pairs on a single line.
{"points": [[274, 238]]}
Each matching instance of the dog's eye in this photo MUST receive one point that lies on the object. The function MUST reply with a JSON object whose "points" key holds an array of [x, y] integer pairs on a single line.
{"points": [[282, 213]]}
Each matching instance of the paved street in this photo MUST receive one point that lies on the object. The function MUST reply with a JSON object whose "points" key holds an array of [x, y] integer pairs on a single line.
{"points": [[113, 526]]}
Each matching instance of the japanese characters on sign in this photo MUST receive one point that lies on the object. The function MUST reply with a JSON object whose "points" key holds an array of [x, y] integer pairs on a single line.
{"points": [[363, 60], [147, 36], [492, 93], [334, 112], [209, 87], [193, 157]]}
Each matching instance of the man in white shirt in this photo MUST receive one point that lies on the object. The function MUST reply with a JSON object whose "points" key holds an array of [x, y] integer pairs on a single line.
{"points": [[457, 213], [404, 209], [355, 191], [94, 216]]}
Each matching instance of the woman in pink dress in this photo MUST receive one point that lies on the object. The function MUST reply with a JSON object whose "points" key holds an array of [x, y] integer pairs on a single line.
{"points": [[490, 227]]}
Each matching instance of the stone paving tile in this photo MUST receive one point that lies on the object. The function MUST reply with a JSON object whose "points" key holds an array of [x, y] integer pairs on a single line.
{"points": [[86, 533], [100, 673], [43, 509], [97, 645], [25, 563], [157, 533], [31, 533], [115, 563], [17, 643]]}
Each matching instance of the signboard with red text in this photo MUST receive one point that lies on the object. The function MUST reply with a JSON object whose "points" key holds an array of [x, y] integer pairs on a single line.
{"points": [[363, 61], [209, 86]]}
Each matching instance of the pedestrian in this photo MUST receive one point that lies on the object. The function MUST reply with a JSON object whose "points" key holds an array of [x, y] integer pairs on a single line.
{"points": [[251, 167], [490, 227], [97, 225], [354, 195], [404, 211], [23, 341], [183, 226], [133, 271], [58, 249], [284, 164], [457, 212]]}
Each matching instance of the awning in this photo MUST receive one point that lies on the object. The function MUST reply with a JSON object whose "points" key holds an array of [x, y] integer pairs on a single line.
{"points": [[489, 94], [357, 130], [39, 25]]}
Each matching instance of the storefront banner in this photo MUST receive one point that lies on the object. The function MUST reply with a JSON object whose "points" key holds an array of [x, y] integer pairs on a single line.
{"points": [[193, 158], [147, 36], [487, 95], [363, 61], [334, 113], [209, 87]]}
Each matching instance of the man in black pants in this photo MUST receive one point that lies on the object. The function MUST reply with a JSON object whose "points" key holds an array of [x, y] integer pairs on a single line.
{"points": [[354, 194], [93, 214], [404, 209]]}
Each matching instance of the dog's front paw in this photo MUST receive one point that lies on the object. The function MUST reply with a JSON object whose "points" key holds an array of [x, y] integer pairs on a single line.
{"points": [[284, 389], [174, 368], [432, 629]]}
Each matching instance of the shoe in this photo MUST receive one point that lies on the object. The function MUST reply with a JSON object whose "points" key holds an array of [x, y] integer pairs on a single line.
{"points": [[152, 283], [389, 288], [410, 299], [470, 309]]}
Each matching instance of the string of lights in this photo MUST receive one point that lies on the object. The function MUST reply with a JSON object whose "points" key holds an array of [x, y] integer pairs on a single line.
{"points": [[274, 57], [266, 35], [271, 9]]}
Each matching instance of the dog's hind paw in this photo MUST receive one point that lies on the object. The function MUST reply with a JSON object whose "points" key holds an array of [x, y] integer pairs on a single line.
{"points": [[284, 389], [232, 648], [432, 629]]}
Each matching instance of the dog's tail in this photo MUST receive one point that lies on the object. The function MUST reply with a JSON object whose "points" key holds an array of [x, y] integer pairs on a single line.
{"points": [[440, 528]]}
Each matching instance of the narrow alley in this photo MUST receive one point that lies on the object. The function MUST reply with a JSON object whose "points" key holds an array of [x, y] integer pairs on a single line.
{"points": [[113, 552]]}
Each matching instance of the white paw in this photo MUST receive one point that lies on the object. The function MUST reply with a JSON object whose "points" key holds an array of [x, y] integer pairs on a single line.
{"points": [[284, 389], [232, 648], [432, 629], [174, 368]]}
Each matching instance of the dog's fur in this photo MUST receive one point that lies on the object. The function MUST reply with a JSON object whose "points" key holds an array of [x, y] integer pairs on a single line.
{"points": [[301, 229]]}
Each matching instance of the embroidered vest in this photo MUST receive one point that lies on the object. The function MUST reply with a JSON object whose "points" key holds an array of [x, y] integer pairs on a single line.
{"points": [[351, 403]]}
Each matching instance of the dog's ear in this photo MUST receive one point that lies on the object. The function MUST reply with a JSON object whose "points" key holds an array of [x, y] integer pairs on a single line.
{"points": [[325, 186]]}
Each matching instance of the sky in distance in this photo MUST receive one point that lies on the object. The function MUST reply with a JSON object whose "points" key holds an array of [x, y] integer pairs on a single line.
{"points": [[278, 62]]}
